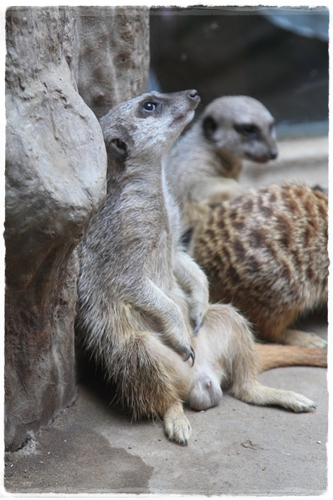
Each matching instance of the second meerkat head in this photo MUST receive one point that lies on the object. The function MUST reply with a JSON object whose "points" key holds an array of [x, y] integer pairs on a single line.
{"points": [[241, 126]]}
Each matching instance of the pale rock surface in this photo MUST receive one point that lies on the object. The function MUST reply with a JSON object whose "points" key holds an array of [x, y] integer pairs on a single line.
{"points": [[55, 180]]}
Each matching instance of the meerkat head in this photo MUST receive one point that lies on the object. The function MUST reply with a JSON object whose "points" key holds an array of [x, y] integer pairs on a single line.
{"points": [[145, 127], [205, 392], [241, 126]]}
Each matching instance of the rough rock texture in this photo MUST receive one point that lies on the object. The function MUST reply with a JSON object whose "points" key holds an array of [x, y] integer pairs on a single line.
{"points": [[114, 55], [55, 180]]}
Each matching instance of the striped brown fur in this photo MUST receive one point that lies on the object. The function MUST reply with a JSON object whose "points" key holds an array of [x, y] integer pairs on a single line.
{"points": [[265, 251]]}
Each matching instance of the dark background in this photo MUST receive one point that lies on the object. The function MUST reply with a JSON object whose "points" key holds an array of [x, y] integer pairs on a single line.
{"points": [[223, 51]]}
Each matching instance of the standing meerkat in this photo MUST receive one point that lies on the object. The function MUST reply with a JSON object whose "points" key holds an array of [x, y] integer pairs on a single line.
{"points": [[266, 252], [142, 299], [205, 163]]}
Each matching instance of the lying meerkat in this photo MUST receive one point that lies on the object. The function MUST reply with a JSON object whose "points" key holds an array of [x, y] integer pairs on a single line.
{"points": [[266, 252], [142, 298], [205, 163]]}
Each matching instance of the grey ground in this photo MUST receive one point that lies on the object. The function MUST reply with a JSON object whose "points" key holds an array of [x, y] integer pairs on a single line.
{"points": [[235, 449]]}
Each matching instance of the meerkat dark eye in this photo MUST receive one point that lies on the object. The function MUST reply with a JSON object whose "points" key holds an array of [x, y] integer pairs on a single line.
{"points": [[149, 106], [247, 130]]}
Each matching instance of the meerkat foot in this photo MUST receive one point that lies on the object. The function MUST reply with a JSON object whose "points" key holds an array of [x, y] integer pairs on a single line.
{"points": [[297, 402], [176, 425], [292, 401], [303, 339], [267, 396]]}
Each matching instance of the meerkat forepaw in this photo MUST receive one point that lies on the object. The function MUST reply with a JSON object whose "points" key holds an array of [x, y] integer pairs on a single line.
{"points": [[198, 313], [196, 322], [178, 430]]}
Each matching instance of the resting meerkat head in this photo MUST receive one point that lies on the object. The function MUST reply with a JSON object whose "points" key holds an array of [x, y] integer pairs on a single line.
{"points": [[130, 127], [241, 126], [204, 392]]}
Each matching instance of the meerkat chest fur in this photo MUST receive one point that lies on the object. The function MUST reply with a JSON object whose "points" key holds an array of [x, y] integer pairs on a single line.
{"points": [[140, 223], [153, 226]]}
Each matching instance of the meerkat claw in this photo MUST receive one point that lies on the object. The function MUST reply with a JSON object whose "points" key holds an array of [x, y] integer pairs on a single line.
{"points": [[190, 354], [193, 356]]}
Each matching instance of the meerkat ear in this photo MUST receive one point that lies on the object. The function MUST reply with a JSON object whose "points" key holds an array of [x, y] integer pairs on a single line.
{"points": [[209, 126], [117, 149], [118, 145]]}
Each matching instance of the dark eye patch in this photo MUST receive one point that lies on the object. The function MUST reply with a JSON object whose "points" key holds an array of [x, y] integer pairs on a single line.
{"points": [[247, 130], [209, 126]]}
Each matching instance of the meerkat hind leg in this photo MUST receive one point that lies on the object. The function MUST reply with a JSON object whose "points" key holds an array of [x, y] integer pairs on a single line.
{"points": [[245, 367], [247, 388], [303, 339]]}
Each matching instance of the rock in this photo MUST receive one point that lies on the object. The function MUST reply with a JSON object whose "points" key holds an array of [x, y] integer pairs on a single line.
{"points": [[114, 55], [55, 180]]}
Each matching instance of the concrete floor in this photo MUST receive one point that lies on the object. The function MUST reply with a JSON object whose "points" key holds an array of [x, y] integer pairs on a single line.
{"points": [[235, 448]]}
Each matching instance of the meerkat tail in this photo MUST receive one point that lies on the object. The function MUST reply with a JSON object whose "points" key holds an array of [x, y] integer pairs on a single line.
{"points": [[275, 355]]}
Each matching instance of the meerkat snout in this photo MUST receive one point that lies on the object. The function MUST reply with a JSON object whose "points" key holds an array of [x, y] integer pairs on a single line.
{"points": [[193, 94]]}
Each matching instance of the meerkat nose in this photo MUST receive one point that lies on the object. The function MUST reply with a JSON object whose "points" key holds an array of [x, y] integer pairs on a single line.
{"points": [[193, 94], [273, 154]]}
